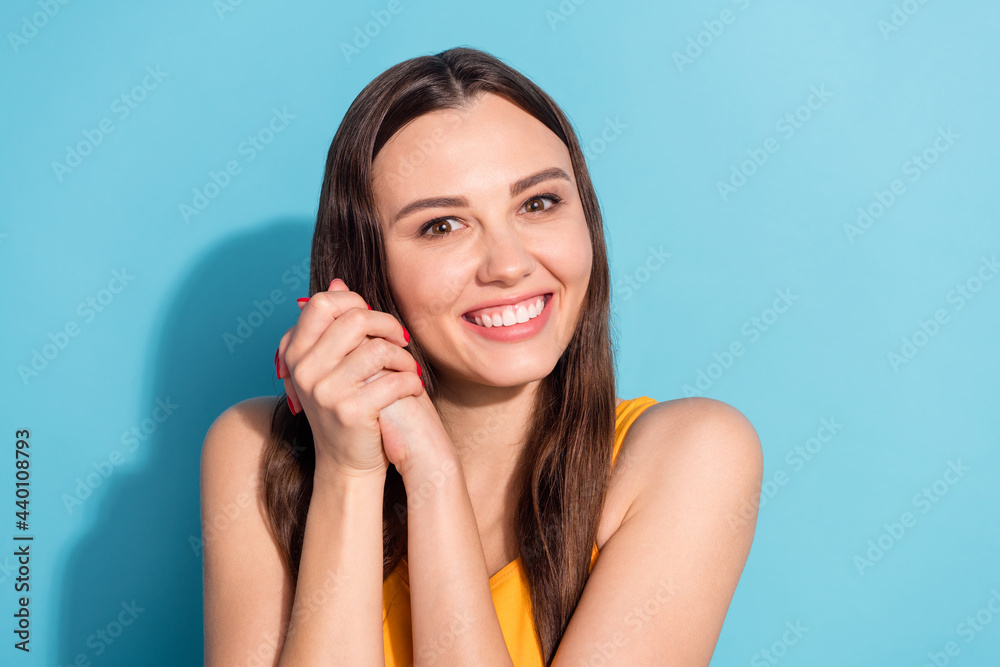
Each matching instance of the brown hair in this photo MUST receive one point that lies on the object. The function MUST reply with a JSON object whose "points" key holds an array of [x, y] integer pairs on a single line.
{"points": [[563, 473]]}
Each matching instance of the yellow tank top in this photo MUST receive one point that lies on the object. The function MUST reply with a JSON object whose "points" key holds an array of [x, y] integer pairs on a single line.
{"points": [[509, 587]]}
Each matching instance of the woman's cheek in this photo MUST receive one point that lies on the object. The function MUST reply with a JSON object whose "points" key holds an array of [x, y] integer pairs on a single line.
{"points": [[432, 293], [580, 257]]}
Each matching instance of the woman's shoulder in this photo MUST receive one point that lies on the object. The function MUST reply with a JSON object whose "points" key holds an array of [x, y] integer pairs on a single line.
{"points": [[682, 451], [674, 439], [252, 412], [249, 419], [694, 423], [698, 411], [236, 438]]}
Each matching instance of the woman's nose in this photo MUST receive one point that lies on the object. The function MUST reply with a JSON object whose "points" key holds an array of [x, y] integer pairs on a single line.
{"points": [[507, 256]]}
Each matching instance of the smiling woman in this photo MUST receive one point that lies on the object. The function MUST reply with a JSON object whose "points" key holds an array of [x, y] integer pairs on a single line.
{"points": [[450, 477]]}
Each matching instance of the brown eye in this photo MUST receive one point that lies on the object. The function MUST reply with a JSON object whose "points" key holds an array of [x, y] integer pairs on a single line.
{"points": [[536, 205], [533, 208], [442, 226]]}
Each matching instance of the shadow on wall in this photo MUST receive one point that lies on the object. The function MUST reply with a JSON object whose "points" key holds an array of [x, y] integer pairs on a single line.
{"points": [[132, 588]]}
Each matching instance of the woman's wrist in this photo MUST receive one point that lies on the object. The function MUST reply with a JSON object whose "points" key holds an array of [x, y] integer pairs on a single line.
{"points": [[432, 457], [329, 474]]}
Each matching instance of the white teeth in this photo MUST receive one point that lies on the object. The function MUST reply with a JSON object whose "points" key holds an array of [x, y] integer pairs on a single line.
{"points": [[510, 317]]}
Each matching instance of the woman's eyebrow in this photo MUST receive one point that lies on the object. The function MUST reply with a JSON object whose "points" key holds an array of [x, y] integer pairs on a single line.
{"points": [[520, 186], [516, 188]]}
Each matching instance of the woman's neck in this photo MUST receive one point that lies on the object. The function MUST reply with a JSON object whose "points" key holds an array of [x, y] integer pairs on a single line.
{"points": [[488, 426]]}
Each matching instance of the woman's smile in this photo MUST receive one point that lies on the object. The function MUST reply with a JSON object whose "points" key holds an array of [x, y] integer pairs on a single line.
{"points": [[513, 323]]}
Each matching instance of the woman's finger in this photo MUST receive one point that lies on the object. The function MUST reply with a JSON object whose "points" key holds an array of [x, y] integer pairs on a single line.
{"points": [[376, 357], [293, 399]]}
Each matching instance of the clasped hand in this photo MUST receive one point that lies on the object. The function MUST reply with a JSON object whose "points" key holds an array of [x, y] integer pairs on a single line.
{"points": [[345, 365]]}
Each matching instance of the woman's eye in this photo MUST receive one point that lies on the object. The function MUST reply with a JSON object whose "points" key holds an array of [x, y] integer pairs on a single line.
{"points": [[440, 227], [434, 226], [532, 207]]}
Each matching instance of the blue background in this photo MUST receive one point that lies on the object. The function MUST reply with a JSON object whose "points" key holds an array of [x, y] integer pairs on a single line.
{"points": [[857, 295]]}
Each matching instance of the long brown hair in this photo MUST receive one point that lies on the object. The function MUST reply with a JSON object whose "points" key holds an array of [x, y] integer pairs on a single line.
{"points": [[562, 476]]}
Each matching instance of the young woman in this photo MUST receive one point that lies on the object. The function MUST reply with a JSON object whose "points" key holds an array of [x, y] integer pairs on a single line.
{"points": [[450, 456]]}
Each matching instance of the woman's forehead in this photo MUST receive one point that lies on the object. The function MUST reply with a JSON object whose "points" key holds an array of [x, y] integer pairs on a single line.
{"points": [[481, 148]]}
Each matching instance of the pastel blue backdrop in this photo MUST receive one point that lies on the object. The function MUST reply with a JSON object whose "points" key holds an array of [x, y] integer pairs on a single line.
{"points": [[800, 201]]}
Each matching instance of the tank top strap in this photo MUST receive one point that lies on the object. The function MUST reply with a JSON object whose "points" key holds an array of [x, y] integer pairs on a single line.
{"points": [[625, 415]]}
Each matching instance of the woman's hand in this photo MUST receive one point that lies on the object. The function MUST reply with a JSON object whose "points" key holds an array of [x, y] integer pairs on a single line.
{"points": [[414, 438], [344, 363]]}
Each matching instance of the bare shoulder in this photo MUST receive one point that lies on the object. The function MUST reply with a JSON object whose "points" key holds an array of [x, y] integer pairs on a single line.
{"points": [[693, 465], [248, 591], [692, 442], [231, 455], [236, 438]]}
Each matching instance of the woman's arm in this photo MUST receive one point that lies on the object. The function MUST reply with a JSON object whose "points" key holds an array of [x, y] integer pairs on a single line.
{"points": [[337, 615], [248, 593], [454, 620], [664, 580], [251, 614]]}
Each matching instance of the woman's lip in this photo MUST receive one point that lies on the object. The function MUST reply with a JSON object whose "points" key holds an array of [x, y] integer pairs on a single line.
{"points": [[516, 333], [504, 305], [547, 296]]}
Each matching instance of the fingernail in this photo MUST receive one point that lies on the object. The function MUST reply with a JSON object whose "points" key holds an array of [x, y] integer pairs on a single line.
{"points": [[419, 370], [290, 406], [277, 368], [406, 334], [302, 302], [369, 307], [422, 383]]}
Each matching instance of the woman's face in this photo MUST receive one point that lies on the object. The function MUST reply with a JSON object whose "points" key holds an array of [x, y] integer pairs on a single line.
{"points": [[499, 237]]}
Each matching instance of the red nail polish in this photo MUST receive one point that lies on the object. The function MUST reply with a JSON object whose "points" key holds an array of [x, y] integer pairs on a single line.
{"points": [[419, 370], [369, 307], [406, 335], [422, 383], [277, 368], [290, 406], [302, 299]]}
